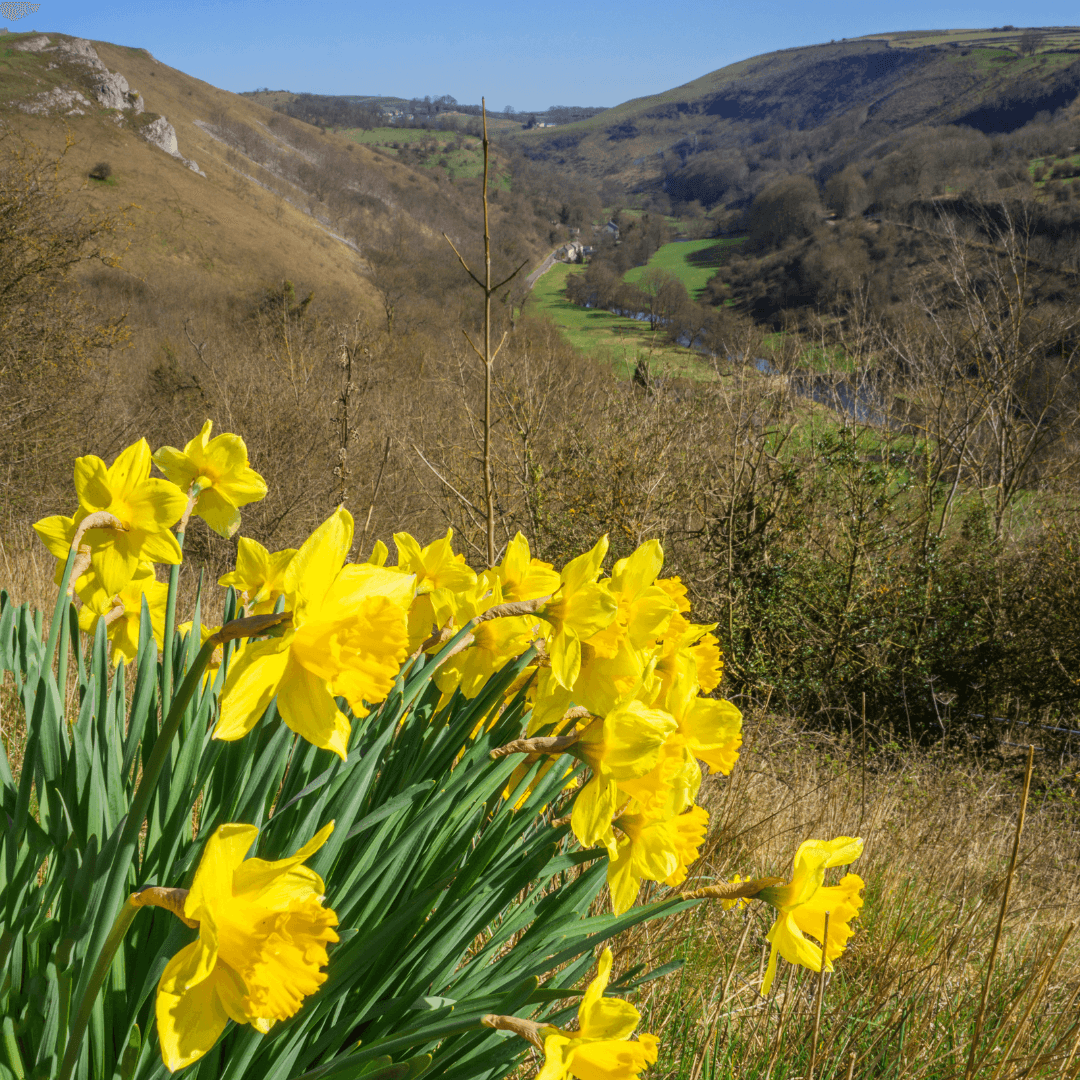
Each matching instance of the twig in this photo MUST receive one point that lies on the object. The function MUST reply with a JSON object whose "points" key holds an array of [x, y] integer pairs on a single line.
{"points": [[374, 495]]}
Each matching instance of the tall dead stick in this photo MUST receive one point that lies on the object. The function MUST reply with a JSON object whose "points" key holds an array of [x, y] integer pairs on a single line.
{"points": [[487, 356]]}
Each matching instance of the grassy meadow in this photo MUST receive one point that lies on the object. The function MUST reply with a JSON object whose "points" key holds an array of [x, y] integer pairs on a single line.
{"points": [[603, 335], [460, 155], [693, 262]]}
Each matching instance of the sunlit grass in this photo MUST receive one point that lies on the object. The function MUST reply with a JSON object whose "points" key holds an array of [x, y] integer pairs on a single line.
{"points": [[611, 338], [693, 262]]}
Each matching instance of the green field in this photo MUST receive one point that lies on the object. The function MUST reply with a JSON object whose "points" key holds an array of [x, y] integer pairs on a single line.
{"points": [[620, 341], [465, 161], [693, 262]]}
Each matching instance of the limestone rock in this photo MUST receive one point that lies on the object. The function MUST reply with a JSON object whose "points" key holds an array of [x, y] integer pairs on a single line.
{"points": [[34, 44], [159, 132], [56, 100], [112, 90], [81, 51]]}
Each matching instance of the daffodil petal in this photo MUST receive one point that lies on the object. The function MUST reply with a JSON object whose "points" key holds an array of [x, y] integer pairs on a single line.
{"points": [[190, 1021], [318, 560], [221, 515], [223, 854], [308, 708], [253, 680]]}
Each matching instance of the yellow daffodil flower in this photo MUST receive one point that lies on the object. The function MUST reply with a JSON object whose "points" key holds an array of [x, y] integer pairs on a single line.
{"points": [[495, 642], [643, 611], [145, 505], [123, 612], [803, 901], [521, 577], [217, 472], [671, 785], [711, 727], [57, 533], [348, 638], [623, 746], [674, 587], [601, 1048], [581, 608], [263, 931], [601, 685], [259, 575], [708, 660], [653, 849], [688, 657], [440, 577]]}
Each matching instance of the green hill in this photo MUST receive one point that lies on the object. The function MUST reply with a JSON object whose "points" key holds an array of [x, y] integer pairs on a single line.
{"points": [[822, 96]]}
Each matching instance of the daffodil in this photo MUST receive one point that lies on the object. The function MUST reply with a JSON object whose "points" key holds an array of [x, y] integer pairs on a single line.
{"points": [[263, 930], [581, 608], [123, 613], [57, 533], [217, 474], [711, 727], [803, 902], [601, 685], [259, 575], [653, 849], [348, 638], [688, 658], [441, 576], [601, 1048], [671, 785], [521, 577], [643, 611], [146, 507], [623, 746], [495, 641], [674, 587]]}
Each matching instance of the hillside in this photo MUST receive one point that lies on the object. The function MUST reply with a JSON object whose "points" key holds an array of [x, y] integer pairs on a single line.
{"points": [[847, 92], [253, 249]]}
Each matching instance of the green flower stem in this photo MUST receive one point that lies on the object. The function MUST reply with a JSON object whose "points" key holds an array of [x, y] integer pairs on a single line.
{"points": [[62, 656], [170, 629], [87, 989], [97, 979], [60, 611], [11, 1047], [196, 489]]}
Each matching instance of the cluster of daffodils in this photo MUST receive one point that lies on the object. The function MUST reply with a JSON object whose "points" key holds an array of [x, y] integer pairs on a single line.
{"points": [[617, 676]]}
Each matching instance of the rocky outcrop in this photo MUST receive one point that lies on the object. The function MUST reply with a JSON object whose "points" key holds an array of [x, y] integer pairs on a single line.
{"points": [[112, 91], [57, 100], [160, 133], [34, 44], [81, 51]]}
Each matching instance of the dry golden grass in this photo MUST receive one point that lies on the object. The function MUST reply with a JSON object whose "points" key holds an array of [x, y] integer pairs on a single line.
{"points": [[938, 834]]}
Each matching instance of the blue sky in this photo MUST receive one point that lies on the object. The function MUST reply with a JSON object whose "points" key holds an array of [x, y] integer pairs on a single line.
{"points": [[529, 56]]}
